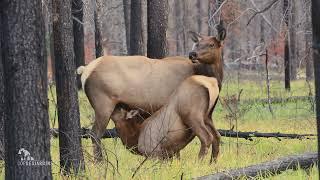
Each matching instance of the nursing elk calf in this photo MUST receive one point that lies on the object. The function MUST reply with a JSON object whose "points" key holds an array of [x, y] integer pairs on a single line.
{"points": [[173, 126], [143, 83]]}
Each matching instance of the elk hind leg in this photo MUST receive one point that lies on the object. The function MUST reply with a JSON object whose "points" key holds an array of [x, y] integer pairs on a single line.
{"points": [[102, 116]]}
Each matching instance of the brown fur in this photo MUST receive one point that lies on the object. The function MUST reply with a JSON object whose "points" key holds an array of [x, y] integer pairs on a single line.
{"points": [[172, 127], [142, 83]]}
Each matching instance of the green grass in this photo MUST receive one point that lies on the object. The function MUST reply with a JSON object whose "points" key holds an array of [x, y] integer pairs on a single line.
{"points": [[293, 117]]}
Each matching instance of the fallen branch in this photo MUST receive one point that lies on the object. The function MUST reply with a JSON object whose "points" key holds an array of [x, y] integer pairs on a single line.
{"points": [[86, 133], [250, 135], [268, 168], [279, 100], [112, 133]]}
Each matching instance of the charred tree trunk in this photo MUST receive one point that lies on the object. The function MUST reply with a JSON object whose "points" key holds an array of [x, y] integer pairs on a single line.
{"points": [[286, 48], [198, 4], [127, 20], [25, 72], [157, 28], [308, 41], [2, 103], [136, 34], [50, 26], [292, 41], [316, 59], [98, 33], [71, 156], [78, 35]]}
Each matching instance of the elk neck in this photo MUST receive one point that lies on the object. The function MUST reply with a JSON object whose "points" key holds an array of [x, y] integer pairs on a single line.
{"points": [[210, 70]]}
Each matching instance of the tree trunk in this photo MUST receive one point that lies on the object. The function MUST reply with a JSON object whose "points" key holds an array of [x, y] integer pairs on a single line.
{"points": [[98, 26], [199, 17], [292, 41], [136, 34], [2, 103], [157, 27], [286, 48], [50, 14], [25, 72], [308, 41], [78, 35], [316, 59], [269, 168], [71, 156], [127, 11]]}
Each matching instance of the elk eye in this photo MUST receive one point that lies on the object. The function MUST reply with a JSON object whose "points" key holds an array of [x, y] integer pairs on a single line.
{"points": [[211, 45]]}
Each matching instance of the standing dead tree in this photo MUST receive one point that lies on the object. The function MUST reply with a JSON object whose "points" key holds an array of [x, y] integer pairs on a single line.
{"points": [[136, 30], [157, 27], [78, 35], [71, 156], [2, 103], [316, 58], [26, 104]]}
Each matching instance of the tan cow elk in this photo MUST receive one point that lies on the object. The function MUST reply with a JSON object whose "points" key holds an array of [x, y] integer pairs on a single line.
{"points": [[173, 126], [143, 83]]}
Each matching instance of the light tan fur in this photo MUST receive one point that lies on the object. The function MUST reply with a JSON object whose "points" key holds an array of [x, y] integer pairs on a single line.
{"points": [[172, 127], [85, 71], [142, 83]]}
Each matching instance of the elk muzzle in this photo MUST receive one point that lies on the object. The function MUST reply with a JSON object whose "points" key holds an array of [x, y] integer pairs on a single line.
{"points": [[193, 57]]}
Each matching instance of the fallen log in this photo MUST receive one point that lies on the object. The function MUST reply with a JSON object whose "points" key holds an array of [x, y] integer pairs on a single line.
{"points": [[250, 135], [112, 133], [268, 168], [275, 100]]}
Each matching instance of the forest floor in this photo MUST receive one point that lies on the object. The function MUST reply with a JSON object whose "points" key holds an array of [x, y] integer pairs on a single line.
{"points": [[288, 117]]}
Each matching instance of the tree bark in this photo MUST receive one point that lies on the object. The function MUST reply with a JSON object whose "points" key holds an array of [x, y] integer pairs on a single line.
{"points": [[98, 32], [71, 156], [78, 35], [316, 59], [199, 17], [286, 48], [2, 103], [25, 72], [157, 27], [50, 27], [292, 41], [308, 41], [269, 168], [127, 20], [136, 34]]}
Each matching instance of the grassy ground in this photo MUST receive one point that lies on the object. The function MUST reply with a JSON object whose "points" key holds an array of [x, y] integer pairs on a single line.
{"points": [[293, 117]]}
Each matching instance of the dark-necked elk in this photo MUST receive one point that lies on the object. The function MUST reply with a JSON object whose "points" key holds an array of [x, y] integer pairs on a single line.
{"points": [[143, 83], [173, 126]]}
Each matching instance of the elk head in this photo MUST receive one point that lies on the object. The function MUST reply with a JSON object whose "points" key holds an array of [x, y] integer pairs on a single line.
{"points": [[207, 49]]}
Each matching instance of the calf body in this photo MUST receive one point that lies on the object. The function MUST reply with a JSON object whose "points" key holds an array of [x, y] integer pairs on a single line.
{"points": [[173, 126]]}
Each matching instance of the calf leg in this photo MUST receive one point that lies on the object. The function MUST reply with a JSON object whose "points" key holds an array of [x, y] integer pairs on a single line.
{"points": [[200, 130], [216, 140]]}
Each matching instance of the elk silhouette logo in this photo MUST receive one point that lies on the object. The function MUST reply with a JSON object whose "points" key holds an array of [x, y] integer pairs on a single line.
{"points": [[25, 155]]}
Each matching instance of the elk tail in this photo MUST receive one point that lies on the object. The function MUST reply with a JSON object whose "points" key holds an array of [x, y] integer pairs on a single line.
{"points": [[80, 70]]}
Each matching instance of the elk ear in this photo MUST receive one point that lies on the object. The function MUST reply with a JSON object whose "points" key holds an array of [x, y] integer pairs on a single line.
{"points": [[195, 37], [221, 32], [132, 113]]}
